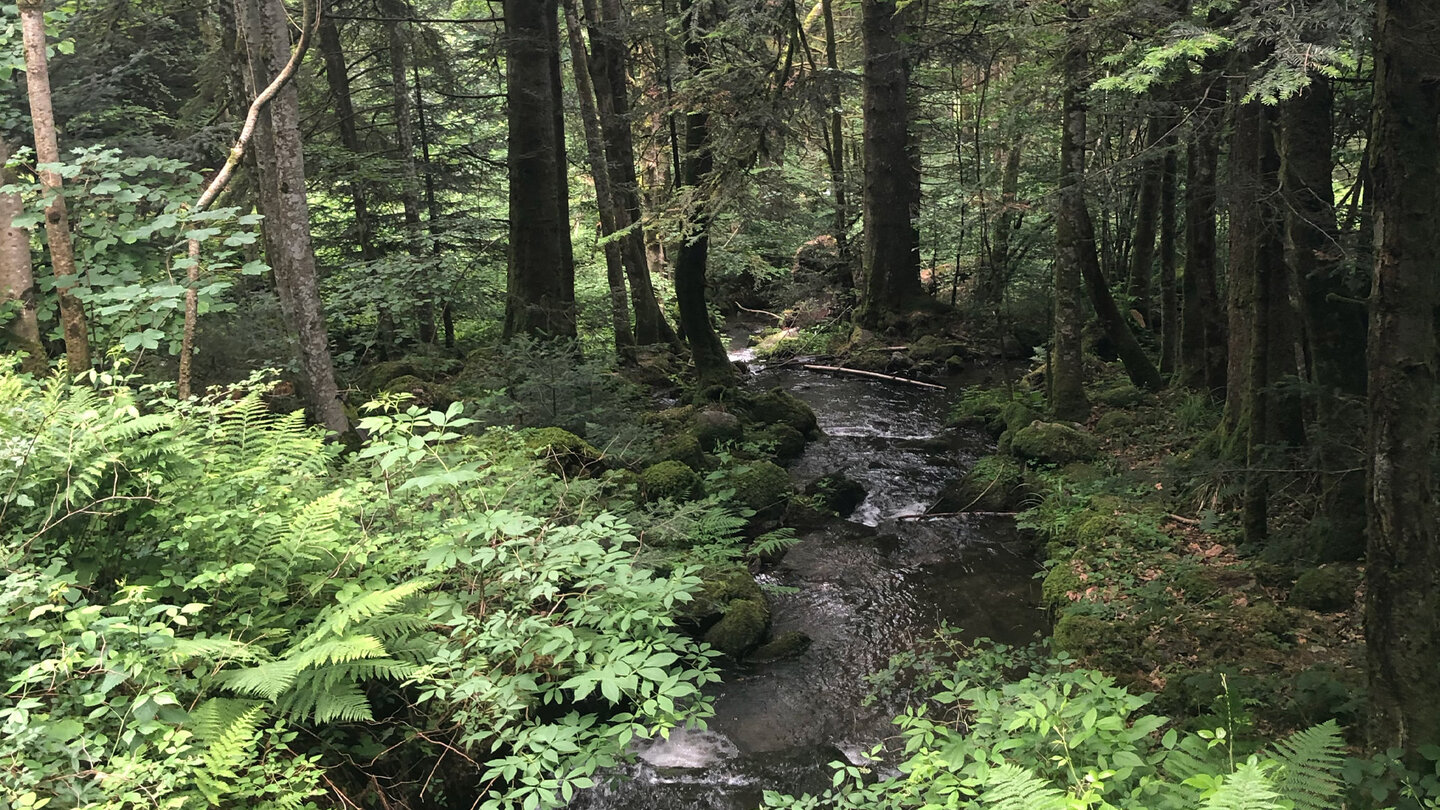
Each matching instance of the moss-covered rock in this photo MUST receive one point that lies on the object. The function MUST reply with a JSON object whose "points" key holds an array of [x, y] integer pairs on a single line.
{"points": [[1018, 416], [377, 377], [804, 512], [671, 420], [1059, 584], [778, 406], [1080, 635], [786, 645], [781, 441], [564, 452], [426, 394], [673, 480], [763, 486], [1116, 422], [681, 447], [980, 408], [932, 348], [714, 427], [836, 492], [621, 484], [1329, 590], [994, 484], [741, 629], [1124, 395], [1053, 443]]}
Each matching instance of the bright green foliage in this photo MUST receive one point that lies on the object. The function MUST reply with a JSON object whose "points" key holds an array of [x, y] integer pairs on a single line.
{"points": [[204, 607]]}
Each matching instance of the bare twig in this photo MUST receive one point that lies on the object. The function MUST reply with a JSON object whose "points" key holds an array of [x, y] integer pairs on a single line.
{"points": [[876, 374]]}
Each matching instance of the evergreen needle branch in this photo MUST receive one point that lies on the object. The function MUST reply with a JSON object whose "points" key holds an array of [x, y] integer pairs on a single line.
{"points": [[222, 179]]}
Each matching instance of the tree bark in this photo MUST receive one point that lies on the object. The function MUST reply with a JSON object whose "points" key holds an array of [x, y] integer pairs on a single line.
{"points": [[609, 72], [1402, 604], [1202, 338], [279, 155], [841, 222], [1169, 288], [536, 301], [17, 280], [57, 219], [1147, 217], [995, 271], [712, 365], [604, 195], [892, 173]]}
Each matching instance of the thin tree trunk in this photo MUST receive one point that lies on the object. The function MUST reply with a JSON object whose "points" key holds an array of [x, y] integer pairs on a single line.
{"points": [[996, 270], [1169, 287], [841, 225], [536, 302], [57, 220], [279, 156], [1147, 218], [562, 166], [409, 185], [712, 365], [17, 280], [892, 174], [1402, 604], [432, 207], [609, 72], [604, 195], [1202, 340]]}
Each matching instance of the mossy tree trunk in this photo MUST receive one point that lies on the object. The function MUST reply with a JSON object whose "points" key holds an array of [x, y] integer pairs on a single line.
{"points": [[1402, 603], [17, 280]]}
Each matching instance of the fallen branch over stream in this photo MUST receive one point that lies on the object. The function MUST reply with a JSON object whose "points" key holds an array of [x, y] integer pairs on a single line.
{"points": [[929, 515], [876, 374]]}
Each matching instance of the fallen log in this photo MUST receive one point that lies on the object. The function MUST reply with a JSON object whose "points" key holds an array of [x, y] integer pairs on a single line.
{"points": [[876, 374]]}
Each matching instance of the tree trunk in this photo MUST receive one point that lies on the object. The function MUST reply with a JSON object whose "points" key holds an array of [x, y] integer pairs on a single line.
{"points": [[995, 271], [1202, 339], [604, 195], [1147, 217], [409, 180], [17, 281], [1169, 288], [1402, 603], [712, 365], [536, 301], [841, 222], [892, 172], [610, 75], [337, 76], [57, 220], [1074, 230], [279, 156], [1243, 194]]}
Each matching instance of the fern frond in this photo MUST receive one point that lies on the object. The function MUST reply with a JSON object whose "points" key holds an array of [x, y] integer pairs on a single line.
{"points": [[268, 680], [346, 704], [1311, 760], [1248, 788], [367, 606], [1011, 787]]}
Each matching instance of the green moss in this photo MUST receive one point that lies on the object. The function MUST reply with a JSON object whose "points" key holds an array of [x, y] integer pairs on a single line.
{"points": [[1018, 416], [1124, 395], [673, 480], [930, 348], [782, 441], [741, 629], [1059, 584], [1112, 422], [1080, 635], [979, 408], [1328, 590], [786, 645], [671, 420], [681, 447], [1053, 443], [762, 485], [426, 394], [994, 484], [566, 453], [714, 428], [778, 406]]}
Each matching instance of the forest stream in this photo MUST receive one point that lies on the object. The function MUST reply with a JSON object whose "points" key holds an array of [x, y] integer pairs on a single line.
{"points": [[863, 589]]}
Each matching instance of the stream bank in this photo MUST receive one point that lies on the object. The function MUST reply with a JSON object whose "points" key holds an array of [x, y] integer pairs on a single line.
{"points": [[861, 589]]}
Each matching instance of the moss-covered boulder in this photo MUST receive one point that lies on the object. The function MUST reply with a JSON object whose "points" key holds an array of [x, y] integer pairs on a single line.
{"points": [[1329, 590], [781, 441], [681, 447], [1123, 395], [426, 394], [1017, 416], [932, 348], [836, 492], [714, 427], [1053, 443], [1116, 423], [1080, 635], [1062, 581], [981, 409], [719, 587], [564, 452], [994, 484], [671, 420], [778, 406], [786, 645], [763, 486], [741, 629], [673, 480]]}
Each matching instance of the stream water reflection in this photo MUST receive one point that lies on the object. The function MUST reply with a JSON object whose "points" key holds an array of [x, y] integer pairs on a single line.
{"points": [[862, 589]]}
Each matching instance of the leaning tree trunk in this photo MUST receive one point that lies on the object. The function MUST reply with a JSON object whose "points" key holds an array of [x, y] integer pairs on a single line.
{"points": [[1075, 232], [610, 74], [712, 365], [17, 281], [536, 300], [604, 195], [891, 265], [279, 157], [1402, 604], [57, 219]]}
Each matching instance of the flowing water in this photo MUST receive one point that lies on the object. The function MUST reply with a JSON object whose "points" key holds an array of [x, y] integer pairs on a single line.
{"points": [[862, 589]]}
